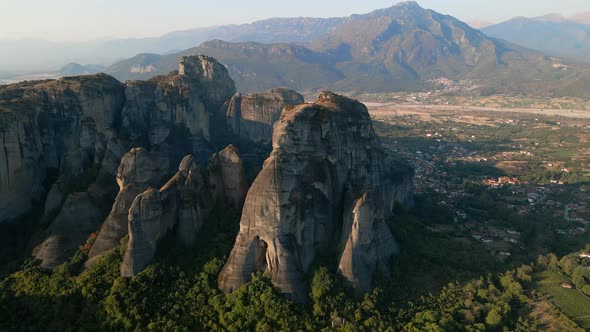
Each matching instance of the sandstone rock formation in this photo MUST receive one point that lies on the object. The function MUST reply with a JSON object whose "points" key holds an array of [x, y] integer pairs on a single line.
{"points": [[145, 229], [74, 131], [52, 129], [188, 200], [139, 170], [183, 202], [78, 218], [369, 243], [227, 176], [74, 127], [213, 78], [166, 108], [252, 116], [326, 184], [327, 178]]}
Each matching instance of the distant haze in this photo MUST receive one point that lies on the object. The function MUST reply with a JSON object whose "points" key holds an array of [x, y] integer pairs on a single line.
{"points": [[583, 18]]}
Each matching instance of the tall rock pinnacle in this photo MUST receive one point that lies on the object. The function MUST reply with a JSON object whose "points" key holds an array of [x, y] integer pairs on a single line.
{"points": [[326, 181]]}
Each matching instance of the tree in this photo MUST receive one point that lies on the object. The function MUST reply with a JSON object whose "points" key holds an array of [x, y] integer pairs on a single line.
{"points": [[493, 318]]}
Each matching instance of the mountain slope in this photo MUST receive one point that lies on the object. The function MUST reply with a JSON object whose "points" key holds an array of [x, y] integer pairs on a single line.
{"points": [[553, 35], [273, 30], [74, 69], [410, 43], [397, 48], [254, 66]]}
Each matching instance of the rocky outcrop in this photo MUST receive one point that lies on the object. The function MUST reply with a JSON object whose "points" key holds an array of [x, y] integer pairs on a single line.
{"points": [[175, 112], [326, 179], [74, 131], [213, 78], [182, 203], [188, 200], [252, 116], [368, 243], [145, 229], [78, 218], [140, 169], [51, 129], [77, 128], [227, 176]]}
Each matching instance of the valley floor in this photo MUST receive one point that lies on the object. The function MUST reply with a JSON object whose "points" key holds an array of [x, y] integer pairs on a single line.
{"points": [[406, 109], [513, 182]]}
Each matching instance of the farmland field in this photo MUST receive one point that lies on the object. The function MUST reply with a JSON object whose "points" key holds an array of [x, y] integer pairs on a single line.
{"points": [[573, 304]]}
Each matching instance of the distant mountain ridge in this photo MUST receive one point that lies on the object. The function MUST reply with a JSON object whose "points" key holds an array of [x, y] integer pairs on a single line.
{"points": [[582, 18], [552, 34], [23, 55], [74, 69], [396, 48]]}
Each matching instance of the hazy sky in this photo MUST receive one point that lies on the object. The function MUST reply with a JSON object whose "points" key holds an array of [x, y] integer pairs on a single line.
{"points": [[94, 19]]}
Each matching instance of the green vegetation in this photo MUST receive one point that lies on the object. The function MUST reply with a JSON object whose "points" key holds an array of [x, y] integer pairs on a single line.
{"points": [[440, 283], [570, 301]]}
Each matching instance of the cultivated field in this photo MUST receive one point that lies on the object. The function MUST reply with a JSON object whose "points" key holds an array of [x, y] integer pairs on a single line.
{"points": [[570, 301]]}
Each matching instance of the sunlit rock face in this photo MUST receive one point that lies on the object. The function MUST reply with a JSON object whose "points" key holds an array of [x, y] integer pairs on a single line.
{"points": [[253, 116], [327, 181], [178, 113]]}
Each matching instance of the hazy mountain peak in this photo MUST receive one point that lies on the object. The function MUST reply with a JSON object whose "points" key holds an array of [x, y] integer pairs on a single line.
{"points": [[406, 7], [479, 24], [552, 17], [582, 18], [409, 4], [552, 34]]}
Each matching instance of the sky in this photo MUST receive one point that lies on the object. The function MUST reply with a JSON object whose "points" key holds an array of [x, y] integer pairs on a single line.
{"points": [[79, 20]]}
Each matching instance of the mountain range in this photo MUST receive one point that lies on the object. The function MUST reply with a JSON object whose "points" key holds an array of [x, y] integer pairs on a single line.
{"points": [[551, 34], [24, 56], [403, 47], [398, 48]]}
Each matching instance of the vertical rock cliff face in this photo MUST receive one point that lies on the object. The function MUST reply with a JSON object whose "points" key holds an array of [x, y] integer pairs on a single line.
{"points": [[145, 229], [74, 127], [52, 129], [188, 198], [174, 113], [252, 116], [79, 217], [227, 176], [213, 78], [184, 202], [70, 134], [326, 180], [140, 169]]}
